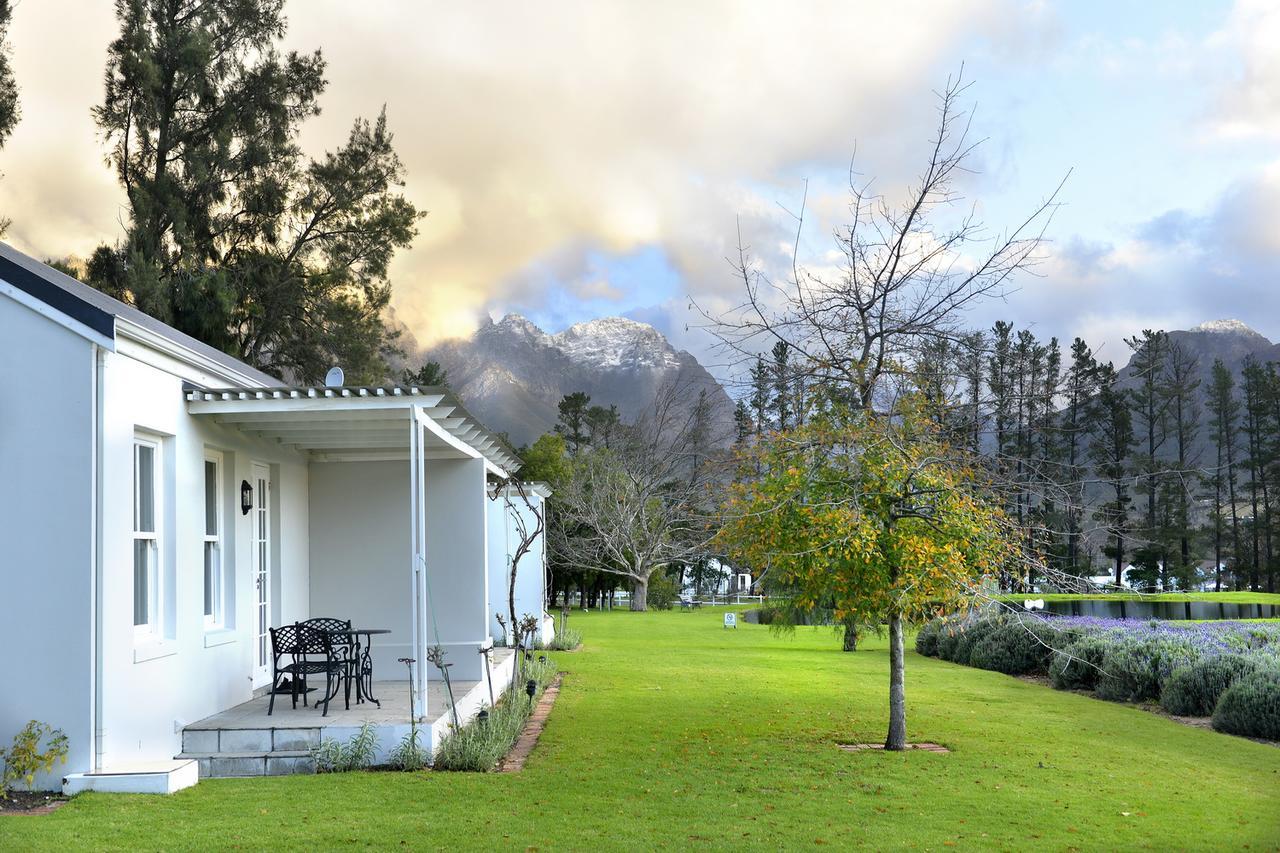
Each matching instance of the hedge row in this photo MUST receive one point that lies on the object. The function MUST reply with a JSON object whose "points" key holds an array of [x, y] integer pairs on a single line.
{"points": [[1231, 672]]}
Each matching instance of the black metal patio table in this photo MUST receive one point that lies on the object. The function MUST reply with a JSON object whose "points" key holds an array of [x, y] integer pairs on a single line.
{"points": [[363, 659]]}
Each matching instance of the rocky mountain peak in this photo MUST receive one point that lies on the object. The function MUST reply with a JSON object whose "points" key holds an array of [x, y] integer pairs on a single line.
{"points": [[1228, 327], [616, 342], [512, 374]]}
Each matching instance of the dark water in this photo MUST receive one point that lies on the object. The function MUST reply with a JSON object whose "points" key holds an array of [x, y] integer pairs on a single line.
{"points": [[1162, 609]]}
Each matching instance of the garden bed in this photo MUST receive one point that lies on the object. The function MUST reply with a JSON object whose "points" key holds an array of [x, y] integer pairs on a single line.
{"points": [[30, 802], [1227, 671]]}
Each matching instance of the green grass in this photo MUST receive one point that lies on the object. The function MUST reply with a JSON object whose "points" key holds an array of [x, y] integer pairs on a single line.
{"points": [[671, 731], [1224, 597]]}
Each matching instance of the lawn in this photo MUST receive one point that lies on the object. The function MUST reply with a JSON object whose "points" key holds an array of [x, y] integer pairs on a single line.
{"points": [[672, 731]]}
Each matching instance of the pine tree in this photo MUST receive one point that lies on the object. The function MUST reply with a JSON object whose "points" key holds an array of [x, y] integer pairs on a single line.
{"points": [[1258, 434], [1150, 405], [782, 385], [1181, 390], [572, 423], [760, 395], [1112, 441], [232, 236], [1224, 412], [742, 426], [1074, 422]]}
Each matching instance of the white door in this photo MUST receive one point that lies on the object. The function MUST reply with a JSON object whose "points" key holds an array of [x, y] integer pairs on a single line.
{"points": [[261, 514]]}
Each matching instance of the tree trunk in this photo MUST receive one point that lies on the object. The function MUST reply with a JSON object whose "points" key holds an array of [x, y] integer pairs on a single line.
{"points": [[850, 636], [640, 594], [897, 739]]}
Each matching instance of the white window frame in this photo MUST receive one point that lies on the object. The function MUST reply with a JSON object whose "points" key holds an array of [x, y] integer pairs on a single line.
{"points": [[150, 630], [217, 582]]}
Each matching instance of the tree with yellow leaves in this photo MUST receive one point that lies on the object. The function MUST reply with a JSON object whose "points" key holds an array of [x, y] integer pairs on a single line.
{"points": [[873, 515]]}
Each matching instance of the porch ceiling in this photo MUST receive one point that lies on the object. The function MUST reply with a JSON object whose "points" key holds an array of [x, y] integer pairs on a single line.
{"points": [[350, 424]]}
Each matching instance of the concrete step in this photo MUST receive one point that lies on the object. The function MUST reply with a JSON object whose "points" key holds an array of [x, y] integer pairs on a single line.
{"points": [[209, 741], [222, 765], [156, 777]]}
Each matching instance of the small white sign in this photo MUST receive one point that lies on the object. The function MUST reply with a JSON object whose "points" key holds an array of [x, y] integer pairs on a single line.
{"points": [[731, 620]]}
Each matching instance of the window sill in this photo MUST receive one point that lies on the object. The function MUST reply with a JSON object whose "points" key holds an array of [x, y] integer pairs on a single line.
{"points": [[219, 637], [153, 649]]}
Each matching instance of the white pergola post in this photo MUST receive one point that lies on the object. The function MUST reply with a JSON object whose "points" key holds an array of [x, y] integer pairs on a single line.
{"points": [[418, 566]]}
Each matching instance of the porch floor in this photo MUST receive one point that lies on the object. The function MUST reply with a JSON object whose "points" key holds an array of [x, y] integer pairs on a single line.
{"points": [[394, 696]]}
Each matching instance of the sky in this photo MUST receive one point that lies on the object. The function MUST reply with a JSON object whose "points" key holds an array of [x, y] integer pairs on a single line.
{"points": [[601, 158]]}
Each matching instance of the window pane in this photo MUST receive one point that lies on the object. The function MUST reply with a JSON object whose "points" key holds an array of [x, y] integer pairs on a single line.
{"points": [[141, 580], [146, 484], [210, 498], [210, 566]]}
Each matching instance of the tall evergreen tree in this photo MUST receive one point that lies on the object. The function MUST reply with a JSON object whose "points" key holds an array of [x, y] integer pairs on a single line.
{"points": [[782, 409], [1259, 432], [760, 394], [1150, 402], [10, 111], [232, 237], [1224, 411], [1112, 442], [1080, 388], [572, 422], [742, 426], [1181, 390]]}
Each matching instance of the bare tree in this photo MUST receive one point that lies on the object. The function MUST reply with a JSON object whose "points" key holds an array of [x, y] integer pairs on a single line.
{"points": [[644, 503], [905, 281]]}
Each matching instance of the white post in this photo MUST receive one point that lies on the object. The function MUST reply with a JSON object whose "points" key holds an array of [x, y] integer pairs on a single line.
{"points": [[416, 560]]}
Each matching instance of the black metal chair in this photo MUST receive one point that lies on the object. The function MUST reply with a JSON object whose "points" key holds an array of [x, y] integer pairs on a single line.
{"points": [[300, 645], [344, 646]]}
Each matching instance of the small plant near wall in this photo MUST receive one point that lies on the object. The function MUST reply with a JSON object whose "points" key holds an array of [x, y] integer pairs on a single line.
{"points": [[409, 755], [23, 759], [481, 744], [331, 756]]}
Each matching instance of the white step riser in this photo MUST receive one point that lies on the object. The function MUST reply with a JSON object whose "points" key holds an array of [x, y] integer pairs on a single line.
{"points": [[213, 741]]}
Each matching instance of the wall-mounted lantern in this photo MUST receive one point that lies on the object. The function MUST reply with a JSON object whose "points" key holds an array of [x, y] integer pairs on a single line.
{"points": [[246, 497]]}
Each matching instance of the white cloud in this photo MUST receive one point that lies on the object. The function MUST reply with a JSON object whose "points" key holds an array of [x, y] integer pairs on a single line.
{"points": [[532, 132], [1248, 104]]}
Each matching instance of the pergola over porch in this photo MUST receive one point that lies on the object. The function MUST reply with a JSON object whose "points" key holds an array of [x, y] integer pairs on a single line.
{"points": [[397, 480]]}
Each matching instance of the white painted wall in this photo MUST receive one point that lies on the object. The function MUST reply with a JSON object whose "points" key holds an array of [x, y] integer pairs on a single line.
{"points": [[360, 553], [457, 562], [46, 544], [151, 691], [504, 538]]}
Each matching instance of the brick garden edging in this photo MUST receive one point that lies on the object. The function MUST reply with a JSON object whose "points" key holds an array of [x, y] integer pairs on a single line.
{"points": [[514, 760]]}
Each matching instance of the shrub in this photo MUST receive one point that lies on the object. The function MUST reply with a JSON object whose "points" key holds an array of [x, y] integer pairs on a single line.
{"points": [[1076, 666], [565, 640], [949, 635], [1015, 646], [1251, 706], [356, 754], [1193, 691], [1135, 669], [663, 591], [968, 637], [23, 759], [927, 638]]}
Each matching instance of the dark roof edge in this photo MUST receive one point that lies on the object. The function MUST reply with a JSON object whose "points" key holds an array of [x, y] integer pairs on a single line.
{"points": [[93, 317]]}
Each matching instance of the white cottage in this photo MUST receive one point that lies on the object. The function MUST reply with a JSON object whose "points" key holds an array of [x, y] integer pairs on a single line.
{"points": [[165, 505]]}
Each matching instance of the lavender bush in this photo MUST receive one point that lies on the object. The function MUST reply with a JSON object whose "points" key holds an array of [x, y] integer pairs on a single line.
{"points": [[1187, 666]]}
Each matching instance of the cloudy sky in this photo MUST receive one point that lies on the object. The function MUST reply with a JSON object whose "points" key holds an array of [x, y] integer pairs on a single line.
{"points": [[580, 160]]}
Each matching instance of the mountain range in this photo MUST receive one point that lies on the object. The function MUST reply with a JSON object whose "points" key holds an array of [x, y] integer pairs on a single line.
{"points": [[513, 375]]}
